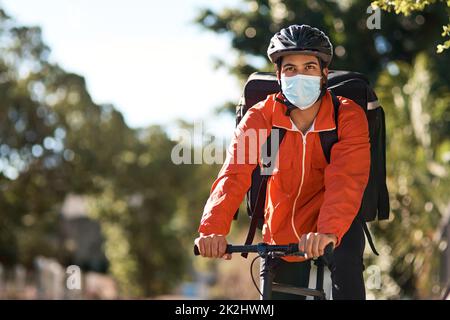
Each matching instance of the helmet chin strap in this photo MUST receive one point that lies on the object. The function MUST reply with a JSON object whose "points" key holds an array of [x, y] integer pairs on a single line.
{"points": [[285, 101], [323, 89], [289, 105]]}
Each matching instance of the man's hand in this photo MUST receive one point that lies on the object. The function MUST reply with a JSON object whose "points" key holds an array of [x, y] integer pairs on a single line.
{"points": [[313, 244], [212, 246]]}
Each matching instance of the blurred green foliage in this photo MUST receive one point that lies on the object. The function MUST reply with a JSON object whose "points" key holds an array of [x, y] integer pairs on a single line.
{"points": [[407, 6], [55, 140]]}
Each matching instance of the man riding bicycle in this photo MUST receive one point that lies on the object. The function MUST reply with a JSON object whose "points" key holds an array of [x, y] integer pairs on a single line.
{"points": [[308, 200]]}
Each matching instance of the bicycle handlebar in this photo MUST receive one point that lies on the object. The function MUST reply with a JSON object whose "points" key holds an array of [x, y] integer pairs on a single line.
{"points": [[264, 249]]}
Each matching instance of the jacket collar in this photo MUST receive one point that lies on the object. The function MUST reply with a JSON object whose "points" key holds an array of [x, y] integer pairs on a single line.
{"points": [[324, 120]]}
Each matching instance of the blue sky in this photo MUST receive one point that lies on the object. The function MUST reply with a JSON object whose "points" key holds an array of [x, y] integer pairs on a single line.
{"points": [[146, 57]]}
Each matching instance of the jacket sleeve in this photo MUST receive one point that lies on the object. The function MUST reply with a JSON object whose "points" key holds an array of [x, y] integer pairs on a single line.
{"points": [[234, 179], [347, 174]]}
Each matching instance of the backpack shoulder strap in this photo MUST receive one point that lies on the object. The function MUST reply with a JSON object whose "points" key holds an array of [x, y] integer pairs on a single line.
{"points": [[268, 156], [329, 138]]}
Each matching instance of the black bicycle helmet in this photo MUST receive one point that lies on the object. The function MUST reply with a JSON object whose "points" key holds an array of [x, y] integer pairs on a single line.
{"points": [[300, 39]]}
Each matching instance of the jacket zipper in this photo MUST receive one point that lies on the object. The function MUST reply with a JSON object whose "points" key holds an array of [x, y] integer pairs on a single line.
{"points": [[303, 177]]}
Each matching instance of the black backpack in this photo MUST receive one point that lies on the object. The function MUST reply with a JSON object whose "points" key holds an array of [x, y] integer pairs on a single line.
{"points": [[352, 85]]}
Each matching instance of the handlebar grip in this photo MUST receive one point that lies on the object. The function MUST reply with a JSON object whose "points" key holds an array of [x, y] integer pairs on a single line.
{"points": [[197, 251], [328, 249], [328, 254]]}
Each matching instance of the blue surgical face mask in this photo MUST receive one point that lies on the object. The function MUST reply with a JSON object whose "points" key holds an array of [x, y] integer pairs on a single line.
{"points": [[301, 90]]}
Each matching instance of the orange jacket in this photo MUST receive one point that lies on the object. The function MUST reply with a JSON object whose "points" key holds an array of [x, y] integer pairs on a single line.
{"points": [[304, 193]]}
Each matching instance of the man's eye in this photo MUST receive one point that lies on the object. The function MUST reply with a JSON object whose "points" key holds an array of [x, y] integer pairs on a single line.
{"points": [[290, 69], [310, 67]]}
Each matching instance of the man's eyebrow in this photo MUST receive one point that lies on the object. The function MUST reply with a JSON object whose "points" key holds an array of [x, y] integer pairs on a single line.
{"points": [[289, 65], [311, 62]]}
